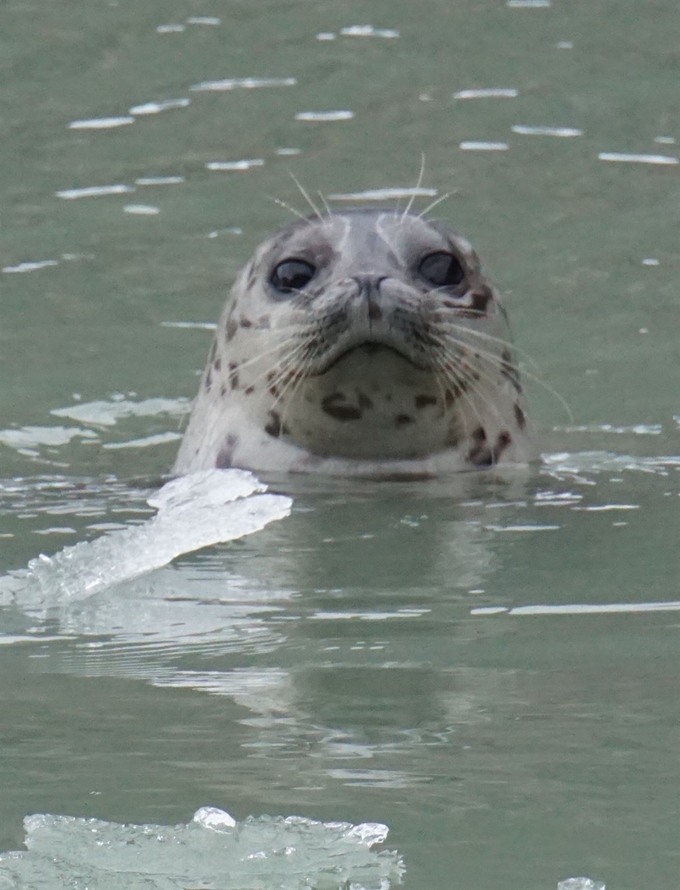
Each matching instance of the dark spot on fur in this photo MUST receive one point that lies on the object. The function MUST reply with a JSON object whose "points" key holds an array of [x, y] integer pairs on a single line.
{"points": [[232, 328], [402, 420], [424, 400], [233, 375], [364, 402], [508, 369], [217, 364], [249, 390], [270, 376], [519, 416], [502, 442], [223, 390], [208, 380], [481, 455], [449, 398], [274, 428], [452, 439], [246, 322], [273, 391], [252, 277], [263, 323], [226, 455], [333, 407], [481, 299]]}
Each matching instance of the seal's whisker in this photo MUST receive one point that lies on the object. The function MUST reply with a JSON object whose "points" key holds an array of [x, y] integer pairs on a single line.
{"points": [[282, 365], [482, 335], [460, 385], [421, 174], [325, 203], [305, 195], [434, 203], [265, 352], [500, 361], [288, 207], [470, 376]]}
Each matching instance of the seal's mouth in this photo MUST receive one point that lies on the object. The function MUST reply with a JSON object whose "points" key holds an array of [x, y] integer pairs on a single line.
{"points": [[370, 348]]}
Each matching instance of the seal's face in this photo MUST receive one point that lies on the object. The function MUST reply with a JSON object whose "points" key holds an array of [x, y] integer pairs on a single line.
{"points": [[366, 336]]}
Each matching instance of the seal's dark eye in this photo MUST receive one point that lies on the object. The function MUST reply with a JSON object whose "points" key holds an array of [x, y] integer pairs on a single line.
{"points": [[441, 269], [292, 275]]}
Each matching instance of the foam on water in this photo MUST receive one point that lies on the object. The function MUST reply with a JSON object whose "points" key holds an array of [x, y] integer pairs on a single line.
{"points": [[193, 512], [211, 851]]}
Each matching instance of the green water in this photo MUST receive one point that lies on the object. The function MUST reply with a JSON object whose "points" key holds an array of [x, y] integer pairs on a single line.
{"points": [[333, 665]]}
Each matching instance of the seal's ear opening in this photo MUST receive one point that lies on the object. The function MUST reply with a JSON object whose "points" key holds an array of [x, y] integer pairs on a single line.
{"points": [[441, 269], [292, 275]]}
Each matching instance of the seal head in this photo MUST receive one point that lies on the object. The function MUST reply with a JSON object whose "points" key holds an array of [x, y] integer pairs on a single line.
{"points": [[361, 343]]}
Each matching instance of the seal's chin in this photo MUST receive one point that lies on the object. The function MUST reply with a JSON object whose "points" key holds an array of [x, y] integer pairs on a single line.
{"points": [[368, 349]]}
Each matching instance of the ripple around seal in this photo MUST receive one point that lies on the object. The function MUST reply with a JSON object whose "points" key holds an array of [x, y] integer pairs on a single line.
{"points": [[213, 850]]}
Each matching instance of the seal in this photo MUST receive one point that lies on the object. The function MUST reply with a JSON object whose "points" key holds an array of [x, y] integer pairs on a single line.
{"points": [[362, 343]]}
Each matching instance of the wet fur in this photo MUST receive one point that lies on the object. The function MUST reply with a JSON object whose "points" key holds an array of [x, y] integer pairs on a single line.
{"points": [[368, 370]]}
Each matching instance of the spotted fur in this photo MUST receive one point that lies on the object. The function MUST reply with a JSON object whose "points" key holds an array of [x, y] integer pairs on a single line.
{"points": [[368, 369]]}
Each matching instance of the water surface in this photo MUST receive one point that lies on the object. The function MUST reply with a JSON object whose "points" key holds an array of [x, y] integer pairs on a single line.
{"points": [[359, 661]]}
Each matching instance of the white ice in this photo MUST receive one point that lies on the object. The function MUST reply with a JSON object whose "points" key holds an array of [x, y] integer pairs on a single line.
{"points": [[211, 851], [194, 511]]}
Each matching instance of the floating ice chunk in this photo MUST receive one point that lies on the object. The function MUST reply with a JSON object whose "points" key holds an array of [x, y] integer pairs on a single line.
{"points": [[664, 140], [490, 93], [234, 165], [564, 132], [290, 853], [30, 436], [246, 83], [101, 123], [368, 31], [159, 180], [214, 819], [203, 20], [390, 194], [581, 609], [170, 29], [564, 44], [192, 325], [580, 884], [107, 413], [324, 116], [528, 4], [624, 158], [650, 261], [286, 152], [141, 209], [326, 35], [157, 107], [31, 267], [483, 146], [94, 191], [146, 442], [193, 512]]}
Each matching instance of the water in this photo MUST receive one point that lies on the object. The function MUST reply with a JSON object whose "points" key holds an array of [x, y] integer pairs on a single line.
{"points": [[370, 658]]}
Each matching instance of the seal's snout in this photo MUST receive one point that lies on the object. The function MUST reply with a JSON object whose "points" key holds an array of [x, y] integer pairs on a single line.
{"points": [[369, 291]]}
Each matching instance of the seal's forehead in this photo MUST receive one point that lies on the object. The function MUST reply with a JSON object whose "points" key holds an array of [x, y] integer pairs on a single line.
{"points": [[362, 228]]}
